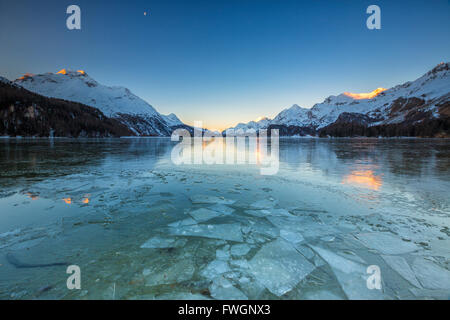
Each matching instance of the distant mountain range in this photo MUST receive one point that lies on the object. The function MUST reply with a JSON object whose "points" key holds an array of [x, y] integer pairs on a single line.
{"points": [[418, 108], [72, 104], [118, 103]]}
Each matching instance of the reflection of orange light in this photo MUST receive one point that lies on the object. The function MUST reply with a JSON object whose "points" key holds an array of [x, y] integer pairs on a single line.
{"points": [[369, 95], [32, 196], [363, 178], [86, 200], [81, 71], [67, 200], [63, 71]]}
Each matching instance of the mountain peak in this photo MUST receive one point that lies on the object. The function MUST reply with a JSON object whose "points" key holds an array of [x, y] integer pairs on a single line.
{"points": [[71, 72], [443, 66], [368, 95]]}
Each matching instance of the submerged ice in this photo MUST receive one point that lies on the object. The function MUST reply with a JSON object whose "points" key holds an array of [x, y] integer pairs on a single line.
{"points": [[151, 230]]}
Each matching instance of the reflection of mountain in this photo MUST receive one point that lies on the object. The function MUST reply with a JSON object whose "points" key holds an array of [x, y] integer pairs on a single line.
{"points": [[36, 160], [418, 108]]}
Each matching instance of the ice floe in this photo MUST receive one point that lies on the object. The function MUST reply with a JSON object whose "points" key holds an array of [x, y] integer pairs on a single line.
{"points": [[240, 249], [351, 275], [291, 236], [279, 267], [206, 199], [215, 268], [231, 231], [430, 275], [204, 214], [174, 273], [184, 222], [160, 242], [263, 204], [223, 289], [386, 243], [402, 267], [222, 208]]}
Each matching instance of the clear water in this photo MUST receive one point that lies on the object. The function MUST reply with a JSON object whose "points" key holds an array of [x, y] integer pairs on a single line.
{"points": [[113, 207]]}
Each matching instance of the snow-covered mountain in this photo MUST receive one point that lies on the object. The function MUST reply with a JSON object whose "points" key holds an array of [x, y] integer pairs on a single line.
{"points": [[428, 94], [115, 102], [255, 125]]}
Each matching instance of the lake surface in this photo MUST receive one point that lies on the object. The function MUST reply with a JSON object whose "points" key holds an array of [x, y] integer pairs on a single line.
{"points": [[141, 227]]}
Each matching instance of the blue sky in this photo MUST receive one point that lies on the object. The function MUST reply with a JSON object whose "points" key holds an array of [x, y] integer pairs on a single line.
{"points": [[225, 62]]}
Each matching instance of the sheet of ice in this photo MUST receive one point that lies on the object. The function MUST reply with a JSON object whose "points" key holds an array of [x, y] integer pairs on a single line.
{"points": [[222, 208], [173, 273], [204, 214], [240, 249], [172, 296], [427, 294], [430, 275], [440, 248], [261, 227], [402, 267], [160, 242], [215, 268], [306, 251], [386, 243], [351, 275], [241, 263], [223, 253], [280, 212], [184, 222], [321, 295], [263, 204], [223, 289], [348, 254], [231, 231], [302, 226], [292, 237], [258, 213], [279, 267], [206, 199]]}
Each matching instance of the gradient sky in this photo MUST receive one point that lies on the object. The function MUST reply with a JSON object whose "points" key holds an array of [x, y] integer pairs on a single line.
{"points": [[225, 62]]}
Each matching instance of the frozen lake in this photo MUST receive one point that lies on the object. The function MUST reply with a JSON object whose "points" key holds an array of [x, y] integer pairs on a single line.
{"points": [[140, 227]]}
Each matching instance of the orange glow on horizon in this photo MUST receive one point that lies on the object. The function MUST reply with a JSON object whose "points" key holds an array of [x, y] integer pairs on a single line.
{"points": [[63, 71], [85, 200], [67, 200], [370, 95], [81, 71], [365, 178]]}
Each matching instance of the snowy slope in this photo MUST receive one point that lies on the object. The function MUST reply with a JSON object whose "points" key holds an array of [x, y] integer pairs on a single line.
{"points": [[254, 125], [4, 80], [116, 102], [172, 120], [432, 88]]}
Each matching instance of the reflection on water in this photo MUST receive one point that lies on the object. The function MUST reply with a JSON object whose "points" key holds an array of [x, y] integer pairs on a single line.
{"points": [[364, 178], [142, 227]]}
